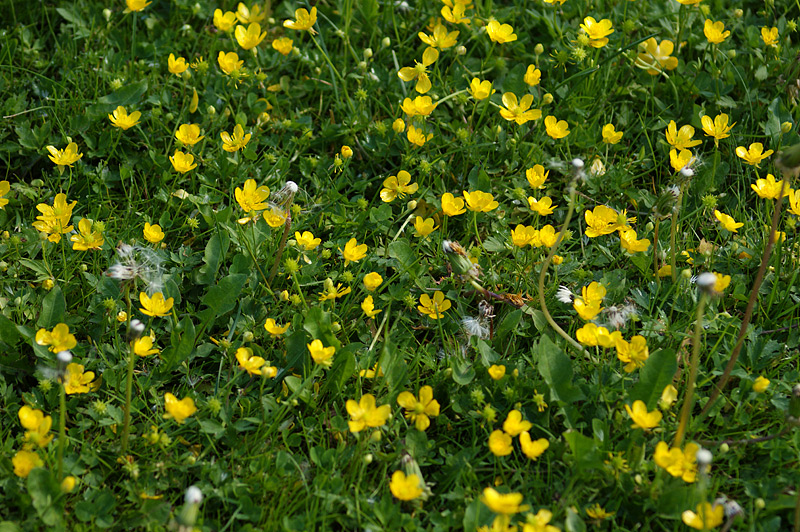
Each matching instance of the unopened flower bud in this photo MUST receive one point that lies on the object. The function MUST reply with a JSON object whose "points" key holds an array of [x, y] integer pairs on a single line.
{"points": [[547, 99], [107, 14], [738, 13], [724, 448], [538, 49], [461, 50], [387, 41], [247, 336], [411, 205], [368, 458], [786, 127], [347, 152], [760, 503], [398, 125], [367, 53]]}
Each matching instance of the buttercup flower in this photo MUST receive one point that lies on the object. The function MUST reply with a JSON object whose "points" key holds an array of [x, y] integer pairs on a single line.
{"points": [[59, 339], [680, 160], [55, 220], [543, 206], [252, 198], [331, 292], [178, 410], [610, 135], [424, 226], [249, 15], [506, 504], [372, 281], [727, 221], [598, 32], [189, 134], [353, 251], [628, 241], [274, 329], [434, 307], [519, 112], [37, 425], [24, 462], [307, 240], [678, 463], [633, 354], [235, 142], [769, 188], [500, 33], [656, 57], [533, 76], [715, 31], [440, 37], [604, 221], [143, 346], [155, 306], [420, 70], [419, 411], [500, 443], [320, 354], [66, 157], [5, 187], [514, 425], [754, 154], [283, 45], [536, 176], [761, 384], [717, 128], [454, 14], [417, 136], [419, 106], [708, 516], [680, 139], [248, 362], [397, 186], [178, 65], [136, 5], [121, 119], [153, 233], [480, 90], [365, 413], [78, 381], [769, 36], [87, 238], [368, 306], [304, 20], [182, 162], [224, 21], [229, 62], [522, 235], [405, 488], [496, 372], [641, 417], [532, 449], [250, 37], [451, 205], [480, 201], [557, 129]]}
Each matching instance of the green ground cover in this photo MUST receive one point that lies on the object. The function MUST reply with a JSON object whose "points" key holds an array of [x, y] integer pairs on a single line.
{"points": [[399, 266]]}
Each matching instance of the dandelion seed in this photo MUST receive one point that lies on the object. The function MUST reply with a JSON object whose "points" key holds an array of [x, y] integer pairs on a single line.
{"points": [[564, 295]]}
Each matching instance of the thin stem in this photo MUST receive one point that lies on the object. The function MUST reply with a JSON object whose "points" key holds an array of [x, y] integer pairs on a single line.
{"points": [[62, 428], [126, 426], [688, 399], [282, 245]]}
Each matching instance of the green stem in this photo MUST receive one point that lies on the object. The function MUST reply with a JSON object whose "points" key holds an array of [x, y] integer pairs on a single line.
{"points": [[688, 400], [126, 426], [62, 428], [673, 230], [282, 245]]}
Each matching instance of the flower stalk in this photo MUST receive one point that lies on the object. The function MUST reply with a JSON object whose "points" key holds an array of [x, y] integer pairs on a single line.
{"points": [[688, 400]]}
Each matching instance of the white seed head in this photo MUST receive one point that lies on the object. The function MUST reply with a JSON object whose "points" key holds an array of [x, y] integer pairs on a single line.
{"points": [[706, 280], [65, 357], [193, 495], [578, 163], [704, 457]]}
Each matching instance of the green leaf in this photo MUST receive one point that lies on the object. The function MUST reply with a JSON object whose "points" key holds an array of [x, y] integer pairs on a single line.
{"points": [[508, 324], [402, 251], [212, 427], [8, 331], [656, 374], [127, 95], [183, 339], [463, 372], [222, 296], [216, 249], [584, 450], [54, 307], [318, 325], [556, 369], [343, 368], [46, 496]]}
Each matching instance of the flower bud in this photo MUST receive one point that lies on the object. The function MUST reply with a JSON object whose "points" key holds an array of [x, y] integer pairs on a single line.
{"points": [[461, 50], [547, 99], [387, 41], [367, 53], [107, 14], [760, 504], [538, 49], [347, 152], [411, 205], [786, 127], [738, 13], [398, 125]]}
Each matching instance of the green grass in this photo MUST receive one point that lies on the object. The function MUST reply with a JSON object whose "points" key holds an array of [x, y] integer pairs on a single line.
{"points": [[276, 452]]}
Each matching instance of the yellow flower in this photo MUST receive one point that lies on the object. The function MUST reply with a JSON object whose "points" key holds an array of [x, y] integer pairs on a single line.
{"points": [[24, 462], [434, 307], [331, 293], [668, 396], [628, 241], [189, 134], [769, 188], [307, 240], [235, 142], [543, 206], [679, 464], [519, 112], [5, 187], [353, 251], [514, 424], [283, 45], [136, 5], [424, 227], [533, 76], [715, 31], [454, 14], [405, 488], [252, 198], [121, 119], [229, 63], [274, 329], [500, 443], [153, 233], [453, 206], [681, 160], [689, 2], [179, 410], [66, 157], [250, 37], [496, 372], [419, 411], [754, 154], [598, 513], [794, 202], [249, 363], [680, 139], [224, 21], [155, 306], [366, 413], [708, 516], [532, 449], [182, 162], [320, 354], [506, 504], [500, 33], [440, 37], [592, 335], [602, 221], [633, 354], [641, 417], [480, 201], [144, 346], [55, 220], [761, 384], [368, 306], [86, 238], [397, 186], [558, 129], [610, 136], [656, 57], [372, 281], [37, 425], [547, 238], [522, 235], [536, 176], [419, 106], [480, 90], [769, 36], [417, 136], [78, 381], [420, 70], [177, 66], [727, 221], [722, 282], [598, 32], [303, 20], [248, 16], [717, 128], [59, 339]]}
